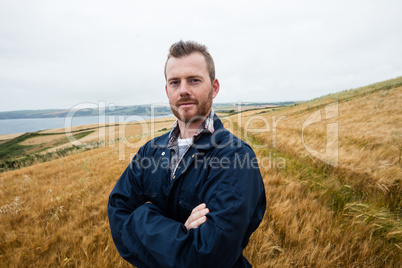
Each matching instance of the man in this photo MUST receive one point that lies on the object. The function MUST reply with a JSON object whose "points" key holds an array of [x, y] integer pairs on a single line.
{"points": [[191, 197]]}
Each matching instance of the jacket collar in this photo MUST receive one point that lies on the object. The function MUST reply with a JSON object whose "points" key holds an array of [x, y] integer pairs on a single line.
{"points": [[206, 139], [206, 127]]}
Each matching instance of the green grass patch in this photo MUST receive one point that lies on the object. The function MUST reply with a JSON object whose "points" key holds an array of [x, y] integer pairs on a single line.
{"points": [[12, 148], [13, 155], [81, 135]]}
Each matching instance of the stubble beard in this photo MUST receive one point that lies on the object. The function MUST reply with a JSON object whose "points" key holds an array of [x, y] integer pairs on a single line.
{"points": [[202, 110]]}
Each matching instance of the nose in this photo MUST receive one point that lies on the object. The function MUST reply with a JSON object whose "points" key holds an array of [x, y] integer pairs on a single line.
{"points": [[184, 89]]}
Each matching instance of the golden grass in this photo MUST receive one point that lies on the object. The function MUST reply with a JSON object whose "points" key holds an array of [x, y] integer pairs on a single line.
{"points": [[111, 133], [54, 214], [344, 216], [9, 136], [43, 139]]}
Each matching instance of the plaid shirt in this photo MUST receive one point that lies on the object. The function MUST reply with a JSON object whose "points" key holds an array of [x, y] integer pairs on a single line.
{"points": [[206, 127]]}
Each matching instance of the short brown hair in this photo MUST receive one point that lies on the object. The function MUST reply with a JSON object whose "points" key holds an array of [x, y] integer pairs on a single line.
{"points": [[181, 49]]}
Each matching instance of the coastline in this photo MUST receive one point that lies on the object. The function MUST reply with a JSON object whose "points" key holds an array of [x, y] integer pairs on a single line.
{"points": [[30, 125]]}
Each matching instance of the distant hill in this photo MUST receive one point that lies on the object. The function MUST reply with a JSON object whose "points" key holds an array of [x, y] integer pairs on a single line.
{"points": [[120, 110]]}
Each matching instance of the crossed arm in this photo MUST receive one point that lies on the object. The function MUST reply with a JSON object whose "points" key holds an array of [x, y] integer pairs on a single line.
{"points": [[146, 237], [197, 216]]}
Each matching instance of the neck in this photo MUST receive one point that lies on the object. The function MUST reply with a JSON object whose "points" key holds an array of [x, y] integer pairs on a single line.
{"points": [[188, 130]]}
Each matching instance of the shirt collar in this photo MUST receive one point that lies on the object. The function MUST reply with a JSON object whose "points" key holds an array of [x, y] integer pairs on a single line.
{"points": [[206, 127]]}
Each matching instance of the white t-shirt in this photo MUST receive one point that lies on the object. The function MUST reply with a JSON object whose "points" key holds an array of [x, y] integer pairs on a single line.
{"points": [[183, 144]]}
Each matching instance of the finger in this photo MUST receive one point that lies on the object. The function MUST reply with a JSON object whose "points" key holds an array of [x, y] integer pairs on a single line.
{"points": [[199, 207], [195, 216], [198, 222], [196, 219]]}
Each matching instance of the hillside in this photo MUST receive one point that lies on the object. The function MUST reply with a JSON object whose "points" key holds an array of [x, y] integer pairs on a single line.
{"points": [[331, 167], [77, 111], [122, 110], [22, 150]]}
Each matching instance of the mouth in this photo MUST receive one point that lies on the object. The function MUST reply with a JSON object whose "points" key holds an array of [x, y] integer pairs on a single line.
{"points": [[186, 104]]}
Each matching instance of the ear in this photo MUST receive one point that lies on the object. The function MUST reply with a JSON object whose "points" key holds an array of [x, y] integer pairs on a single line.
{"points": [[215, 88], [167, 94]]}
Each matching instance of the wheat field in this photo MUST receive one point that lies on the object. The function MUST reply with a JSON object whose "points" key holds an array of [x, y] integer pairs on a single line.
{"points": [[340, 211]]}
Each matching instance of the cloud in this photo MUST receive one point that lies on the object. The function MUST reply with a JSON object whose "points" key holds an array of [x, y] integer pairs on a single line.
{"points": [[56, 54]]}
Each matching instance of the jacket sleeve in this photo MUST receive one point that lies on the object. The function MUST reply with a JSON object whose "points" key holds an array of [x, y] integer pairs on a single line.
{"points": [[145, 237]]}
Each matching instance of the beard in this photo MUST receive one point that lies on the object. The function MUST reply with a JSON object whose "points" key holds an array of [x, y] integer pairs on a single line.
{"points": [[196, 112]]}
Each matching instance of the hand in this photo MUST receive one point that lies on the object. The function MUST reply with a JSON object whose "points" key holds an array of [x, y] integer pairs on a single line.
{"points": [[197, 216]]}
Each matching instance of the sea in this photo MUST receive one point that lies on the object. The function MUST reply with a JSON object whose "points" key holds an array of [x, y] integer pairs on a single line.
{"points": [[13, 126]]}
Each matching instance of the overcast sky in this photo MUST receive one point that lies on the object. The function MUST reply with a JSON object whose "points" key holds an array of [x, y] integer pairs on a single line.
{"points": [[58, 54]]}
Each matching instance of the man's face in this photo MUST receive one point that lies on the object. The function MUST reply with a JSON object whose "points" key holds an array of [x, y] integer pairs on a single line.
{"points": [[189, 87]]}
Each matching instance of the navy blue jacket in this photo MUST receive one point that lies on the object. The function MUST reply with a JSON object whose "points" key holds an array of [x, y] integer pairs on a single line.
{"points": [[219, 170]]}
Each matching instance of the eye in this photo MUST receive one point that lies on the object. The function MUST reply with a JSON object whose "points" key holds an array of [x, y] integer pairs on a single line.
{"points": [[174, 83], [195, 81]]}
